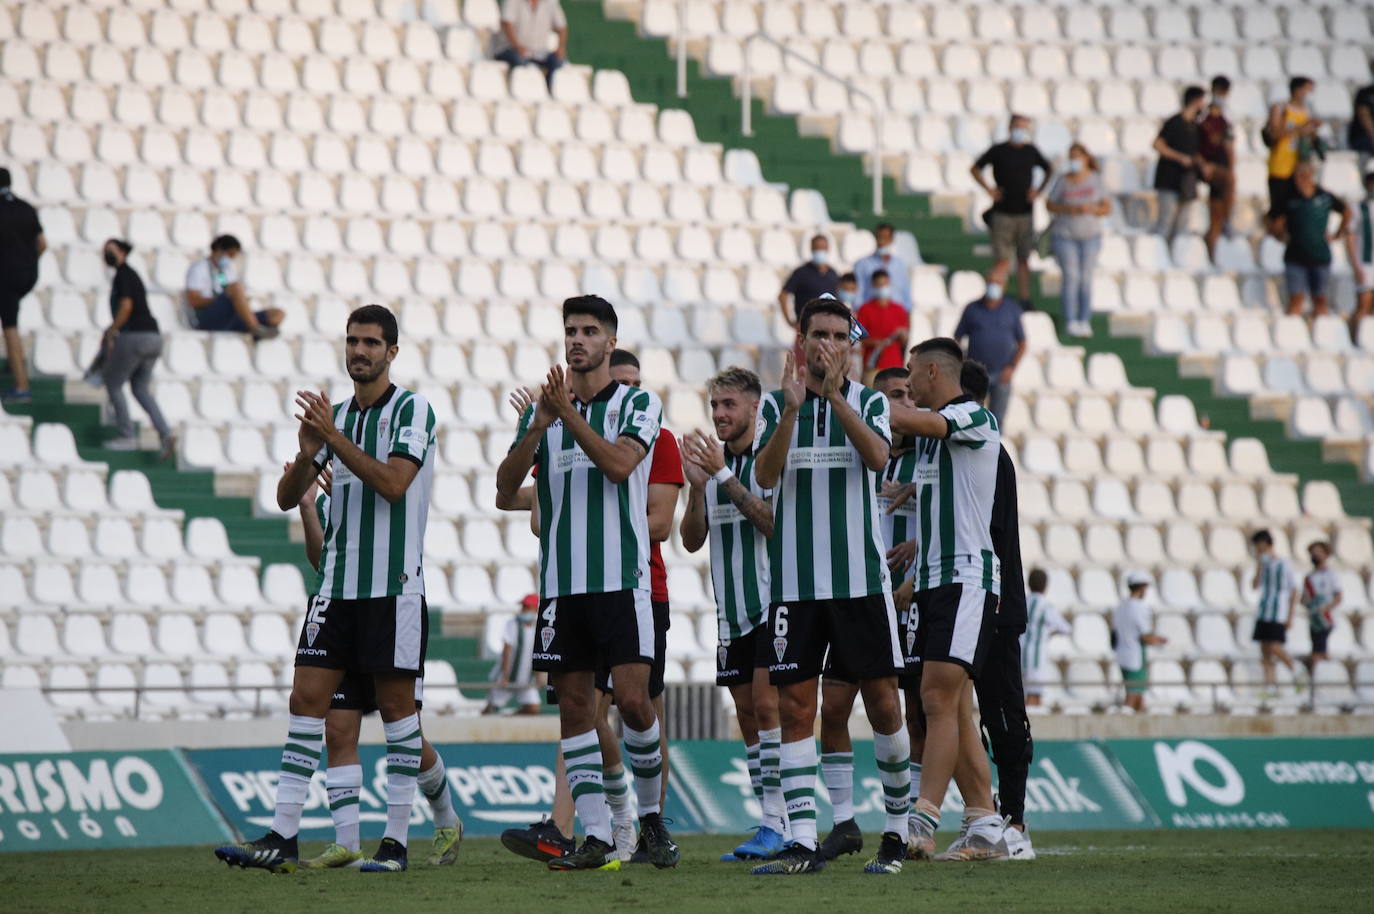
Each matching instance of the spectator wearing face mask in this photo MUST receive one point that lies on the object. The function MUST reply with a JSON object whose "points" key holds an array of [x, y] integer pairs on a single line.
{"points": [[1217, 147], [848, 291], [886, 324], [884, 258], [1078, 202], [991, 327], [1180, 167], [1013, 192], [216, 296], [811, 280]]}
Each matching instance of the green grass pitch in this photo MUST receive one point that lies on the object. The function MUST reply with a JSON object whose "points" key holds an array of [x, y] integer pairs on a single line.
{"points": [[1077, 871]]}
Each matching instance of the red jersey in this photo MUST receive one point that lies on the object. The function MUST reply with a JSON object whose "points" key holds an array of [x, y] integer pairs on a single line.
{"points": [[1214, 132], [883, 320], [666, 467]]}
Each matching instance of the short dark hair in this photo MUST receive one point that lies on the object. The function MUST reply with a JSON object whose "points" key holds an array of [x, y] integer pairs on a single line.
{"points": [[1220, 84], [382, 317], [4, 177], [879, 274], [1037, 581], [124, 246], [884, 225], [1297, 82], [595, 306], [1262, 536], [815, 238], [623, 357], [940, 345], [1323, 545], [887, 374], [1192, 94], [225, 243], [824, 305], [848, 277], [974, 379]]}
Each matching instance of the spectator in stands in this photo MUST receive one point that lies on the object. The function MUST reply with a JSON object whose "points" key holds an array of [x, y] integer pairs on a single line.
{"points": [[1359, 249], [217, 299], [1321, 594], [515, 677], [1217, 147], [884, 258], [1078, 202], [811, 280], [1291, 135], [21, 244], [1132, 631], [1013, 194], [132, 345], [1277, 597], [1360, 131], [524, 35], [992, 331], [1180, 167], [1043, 619], [886, 324], [1302, 223], [848, 291]]}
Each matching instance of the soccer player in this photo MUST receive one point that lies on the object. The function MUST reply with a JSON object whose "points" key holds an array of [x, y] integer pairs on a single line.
{"points": [[956, 589], [368, 613], [1133, 628], [1321, 594], [353, 698], [837, 695], [1043, 619], [1278, 597], [727, 506], [822, 441], [589, 436]]}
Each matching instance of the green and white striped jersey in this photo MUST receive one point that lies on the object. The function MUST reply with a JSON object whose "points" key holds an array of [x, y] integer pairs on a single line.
{"points": [[594, 534], [372, 547], [1042, 620], [739, 553], [900, 525], [1276, 586], [956, 478], [827, 542]]}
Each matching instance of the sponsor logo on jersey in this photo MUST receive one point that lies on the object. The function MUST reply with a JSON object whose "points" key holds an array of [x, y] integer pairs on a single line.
{"points": [[546, 636]]}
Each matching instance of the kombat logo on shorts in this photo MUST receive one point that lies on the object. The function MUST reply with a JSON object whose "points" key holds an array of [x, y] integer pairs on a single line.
{"points": [[312, 631], [546, 636]]}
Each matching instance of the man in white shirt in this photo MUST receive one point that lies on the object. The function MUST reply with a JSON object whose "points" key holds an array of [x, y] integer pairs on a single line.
{"points": [[215, 296], [524, 35], [1133, 627]]}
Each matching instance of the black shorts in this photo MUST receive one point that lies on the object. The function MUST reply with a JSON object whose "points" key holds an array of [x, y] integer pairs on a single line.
{"points": [[662, 622], [955, 625], [9, 304], [1280, 189], [586, 631], [1269, 632], [910, 674], [358, 692], [375, 635], [852, 640], [737, 658], [1319, 636]]}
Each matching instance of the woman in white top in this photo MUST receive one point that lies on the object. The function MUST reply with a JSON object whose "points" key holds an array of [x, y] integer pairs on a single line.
{"points": [[1078, 203]]}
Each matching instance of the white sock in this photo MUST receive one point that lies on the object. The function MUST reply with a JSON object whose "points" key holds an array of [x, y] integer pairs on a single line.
{"points": [[617, 788], [798, 773], [838, 770], [582, 759], [433, 783], [915, 791], [770, 749], [644, 750], [893, 754], [402, 767], [343, 784], [300, 759]]}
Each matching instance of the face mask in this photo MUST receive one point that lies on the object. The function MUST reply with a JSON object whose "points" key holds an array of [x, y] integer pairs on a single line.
{"points": [[1074, 166], [819, 257], [884, 250], [848, 296], [525, 618], [225, 263], [1220, 104], [882, 293], [1020, 135], [994, 291], [110, 259]]}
